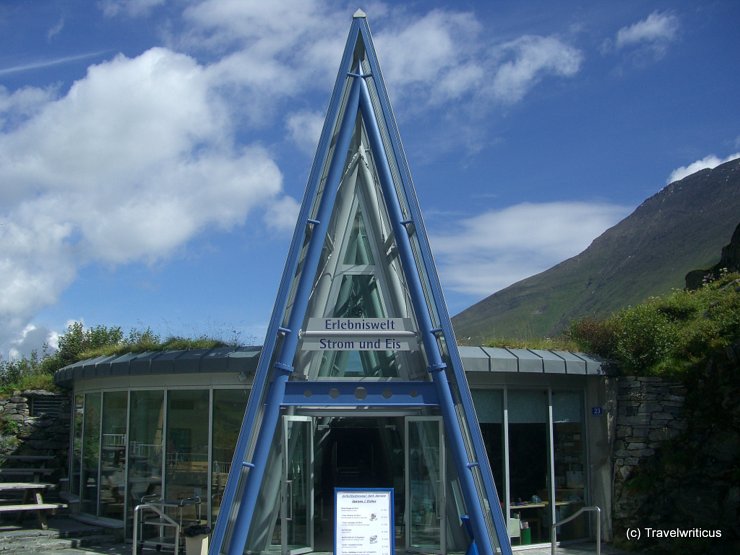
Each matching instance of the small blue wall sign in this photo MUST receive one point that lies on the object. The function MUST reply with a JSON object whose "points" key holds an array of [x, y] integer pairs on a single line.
{"points": [[597, 411]]}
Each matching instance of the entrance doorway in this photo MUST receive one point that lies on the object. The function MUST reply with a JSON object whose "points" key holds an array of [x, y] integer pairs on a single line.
{"points": [[321, 453]]}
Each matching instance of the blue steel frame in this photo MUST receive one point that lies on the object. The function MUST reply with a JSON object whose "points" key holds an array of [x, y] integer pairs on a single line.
{"points": [[447, 332], [281, 392]]}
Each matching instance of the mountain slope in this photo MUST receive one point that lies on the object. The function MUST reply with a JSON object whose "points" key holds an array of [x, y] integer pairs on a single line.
{"points": [[681, 228]]}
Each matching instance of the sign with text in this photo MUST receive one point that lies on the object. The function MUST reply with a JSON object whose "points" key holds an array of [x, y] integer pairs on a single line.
{"points": [[363, 521], [359, 334]]}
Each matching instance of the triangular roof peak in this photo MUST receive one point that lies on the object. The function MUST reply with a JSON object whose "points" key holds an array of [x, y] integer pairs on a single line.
{"points": [[358, 14], [359, 302]]}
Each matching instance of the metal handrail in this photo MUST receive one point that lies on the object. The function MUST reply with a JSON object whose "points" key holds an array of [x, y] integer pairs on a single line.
{"points": [[571, 517], [158, 506], [160, 511]]}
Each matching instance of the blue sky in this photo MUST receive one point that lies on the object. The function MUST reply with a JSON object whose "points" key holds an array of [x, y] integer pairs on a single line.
{"points": [[153, 153]]}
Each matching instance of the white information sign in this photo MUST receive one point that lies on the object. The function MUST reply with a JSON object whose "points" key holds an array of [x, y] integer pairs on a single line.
{"points": [[363, 521], [359, 334]]}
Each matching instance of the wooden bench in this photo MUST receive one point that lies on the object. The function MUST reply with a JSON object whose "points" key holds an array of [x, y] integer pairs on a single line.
{"points": [[32, 507], [31, 491], [40, 509]]}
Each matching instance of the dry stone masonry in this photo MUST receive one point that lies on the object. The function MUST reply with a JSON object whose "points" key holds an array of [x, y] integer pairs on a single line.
{"points": [[35, 423], [649, 412]]}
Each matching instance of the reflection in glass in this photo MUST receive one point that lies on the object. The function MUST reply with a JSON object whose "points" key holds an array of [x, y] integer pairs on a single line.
{"points": [[570, 468], [358, 248], [90, 454], [77, 422], [187, 447], [358, 297], [425, 479], [296, 515], [228, 411], [145, 448], [489, 407], [113, 455]]}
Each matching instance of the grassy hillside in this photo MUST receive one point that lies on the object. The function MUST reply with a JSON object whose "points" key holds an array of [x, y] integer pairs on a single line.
{"points": [[681, 228]]}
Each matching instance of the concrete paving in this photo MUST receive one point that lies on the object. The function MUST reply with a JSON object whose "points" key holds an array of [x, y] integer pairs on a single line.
{"points": [[578, 549], [87, 539]]}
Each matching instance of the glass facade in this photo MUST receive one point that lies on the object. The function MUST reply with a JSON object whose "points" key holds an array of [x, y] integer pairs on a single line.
{"points": [[127, 444]]}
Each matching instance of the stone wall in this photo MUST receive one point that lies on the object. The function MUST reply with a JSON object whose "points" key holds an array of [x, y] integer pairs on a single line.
{"points": [[41, 434], [649, 412]]}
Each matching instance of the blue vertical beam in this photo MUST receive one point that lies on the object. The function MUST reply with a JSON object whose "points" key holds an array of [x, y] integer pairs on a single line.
{"points": [[264, 370], [466, 399], [421, 310], [283, 365]]}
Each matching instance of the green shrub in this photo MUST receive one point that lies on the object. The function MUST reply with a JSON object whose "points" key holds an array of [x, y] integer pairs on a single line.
{"points": [[78, 343], [666, 335]]}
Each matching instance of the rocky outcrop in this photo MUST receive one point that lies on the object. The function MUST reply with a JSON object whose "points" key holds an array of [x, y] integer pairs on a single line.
{"points": [[728, 262]]}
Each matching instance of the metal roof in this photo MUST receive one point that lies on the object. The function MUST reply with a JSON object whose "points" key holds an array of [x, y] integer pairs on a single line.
{"points": [[244, 360]]}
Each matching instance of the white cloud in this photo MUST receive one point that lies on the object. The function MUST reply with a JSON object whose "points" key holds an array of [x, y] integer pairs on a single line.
{"points": [[282, 214], [40, 64], [55, 29], [133, 161], [492, 250], [648, 38], [131, 8], [709, 162], [304, 129], [284, 49], [416, 53], [33, 339], [146, 152], [528, 60], [656, 28]]}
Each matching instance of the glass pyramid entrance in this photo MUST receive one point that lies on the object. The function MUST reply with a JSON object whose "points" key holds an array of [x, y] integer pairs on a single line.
{"points": [[359, 383]]}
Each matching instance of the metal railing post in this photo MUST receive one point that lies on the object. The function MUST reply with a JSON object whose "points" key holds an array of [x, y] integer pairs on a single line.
{"points": [[595, 509]]}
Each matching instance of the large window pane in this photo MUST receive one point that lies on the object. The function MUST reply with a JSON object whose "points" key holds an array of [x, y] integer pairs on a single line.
{"points": [[77, 423], [570, 467], [113, 455], [228, 412], [358, 297], [146, 423], [528, 462], [90, 454], [489, 407], [358, 248], [187, 447]]}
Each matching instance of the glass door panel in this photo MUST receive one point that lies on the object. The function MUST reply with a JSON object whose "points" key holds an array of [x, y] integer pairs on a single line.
{"points": [[296, 510], [228, 411], [145, 447], [186, 465], [90, 454], [425, 480], [113, 455], [529, 464], [570, 464]]}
